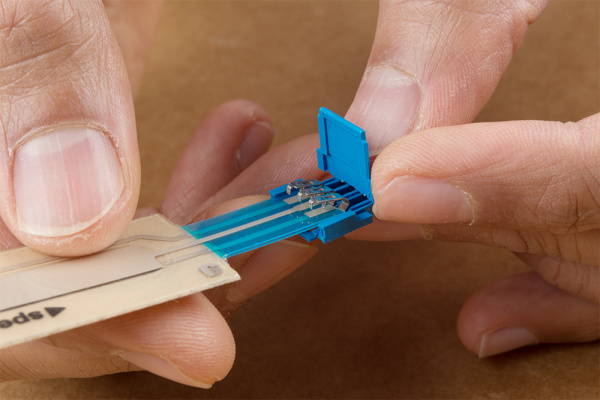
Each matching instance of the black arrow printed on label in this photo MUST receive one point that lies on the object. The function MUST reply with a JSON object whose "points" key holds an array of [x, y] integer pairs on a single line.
{"points": [[53, 311], [23, 318]]}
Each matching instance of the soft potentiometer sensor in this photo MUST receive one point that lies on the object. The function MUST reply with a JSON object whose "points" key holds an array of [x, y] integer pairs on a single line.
{"points": [[156, 261]]}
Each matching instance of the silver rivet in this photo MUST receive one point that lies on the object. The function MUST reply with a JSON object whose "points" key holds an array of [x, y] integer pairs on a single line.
{"points": [[211, 270]]}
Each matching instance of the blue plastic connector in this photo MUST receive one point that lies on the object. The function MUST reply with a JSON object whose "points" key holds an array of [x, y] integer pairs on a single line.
{"points": [[344, 153], [311, 209]]}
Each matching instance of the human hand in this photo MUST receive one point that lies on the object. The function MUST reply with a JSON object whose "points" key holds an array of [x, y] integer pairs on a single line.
{"points": [[435, 66], [532, 187], [67, 119], [431, 65], [529, 186], [68, 152], [187, 340]]}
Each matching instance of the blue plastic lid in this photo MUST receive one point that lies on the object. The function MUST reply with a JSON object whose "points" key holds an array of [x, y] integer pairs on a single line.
{"points": [[344, 151]]}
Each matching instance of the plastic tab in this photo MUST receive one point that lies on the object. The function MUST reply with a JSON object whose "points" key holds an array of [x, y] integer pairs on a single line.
{"points": [[344, 151]]}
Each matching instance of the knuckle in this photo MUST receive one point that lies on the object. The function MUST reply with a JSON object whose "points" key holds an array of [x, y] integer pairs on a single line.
{"points": [[589, 194], [583, 283], [588, 162], [534, 242], [579, 279], [569, 201], [515, 240], [562, 246]]}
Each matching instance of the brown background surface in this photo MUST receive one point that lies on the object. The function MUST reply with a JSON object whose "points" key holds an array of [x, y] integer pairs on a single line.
{"points": [[367, 320]]}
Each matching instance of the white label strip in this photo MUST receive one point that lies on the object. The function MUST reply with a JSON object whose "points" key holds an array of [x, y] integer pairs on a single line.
{"points": [[53, 296], [64, 276]]}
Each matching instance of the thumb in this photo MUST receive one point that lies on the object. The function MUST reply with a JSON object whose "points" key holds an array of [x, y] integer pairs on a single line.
{"points": [[69, 160], [436, 64]]}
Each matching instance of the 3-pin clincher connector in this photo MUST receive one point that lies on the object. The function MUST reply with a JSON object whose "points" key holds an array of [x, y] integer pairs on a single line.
{"points": [[344, 153], [311, 208]]}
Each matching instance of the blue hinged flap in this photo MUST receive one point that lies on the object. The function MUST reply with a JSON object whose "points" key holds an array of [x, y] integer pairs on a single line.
{"points": [[344, 151]]}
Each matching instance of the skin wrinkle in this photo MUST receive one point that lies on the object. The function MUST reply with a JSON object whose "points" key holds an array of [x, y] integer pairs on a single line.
{"points": [[583, 279], [593, 188], [582, 210], [443, 56], [577, 254], [514, 240], [550, 244], [575, 278], [521, 241], [13, 368], [556, 272], [589, 172], [78, 364], [541, 211], [54, 54], [441, 10], [429, 65], [48, 52], [65, 342], [26, 72], [13, 22]]}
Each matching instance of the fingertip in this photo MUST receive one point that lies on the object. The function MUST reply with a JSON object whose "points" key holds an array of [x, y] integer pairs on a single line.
{"points": [[256, 142], [187, 341], [229, 139], [493, 320], [522, 310], [504, 340], [162, 367]]}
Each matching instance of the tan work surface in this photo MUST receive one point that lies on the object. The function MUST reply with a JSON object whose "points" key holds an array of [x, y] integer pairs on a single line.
{"points": [[361, 320]]}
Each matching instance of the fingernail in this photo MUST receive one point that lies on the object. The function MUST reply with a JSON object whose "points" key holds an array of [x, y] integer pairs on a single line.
{"points": [[422, 201], [65, 180], [162, 367], [257, 140], [268, 266], [504, 340], [386, 106]]}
